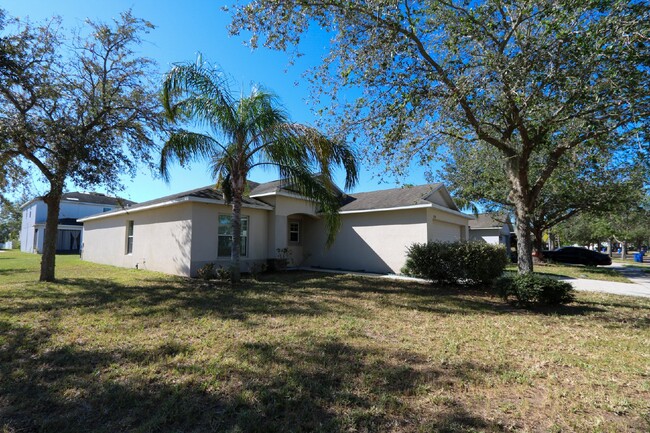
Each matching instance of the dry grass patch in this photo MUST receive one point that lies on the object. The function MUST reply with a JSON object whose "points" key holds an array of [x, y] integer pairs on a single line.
{"points": [[108, 349]]}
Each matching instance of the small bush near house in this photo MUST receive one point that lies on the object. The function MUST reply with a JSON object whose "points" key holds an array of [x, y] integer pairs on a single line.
{"points": [[256, 269], [223, 274], [454, 262], [210, 271], [532, 289], [206, 272]]}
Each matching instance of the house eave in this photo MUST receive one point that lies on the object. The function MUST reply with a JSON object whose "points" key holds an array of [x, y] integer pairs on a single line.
{"points": [[415, 206], [128, 211], [487, 228], [281, 193], [60, 226]]}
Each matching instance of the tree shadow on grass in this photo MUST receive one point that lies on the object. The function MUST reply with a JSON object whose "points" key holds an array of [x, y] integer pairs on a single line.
{"points": [[14, 271], [288, 294], [311, 385], [163, 296]]}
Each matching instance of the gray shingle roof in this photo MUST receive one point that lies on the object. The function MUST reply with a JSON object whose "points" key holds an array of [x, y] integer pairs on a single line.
{"points": [[88, 197], [96, 198], [263, 188], [207, 192], [390, 198], [490, 221]]}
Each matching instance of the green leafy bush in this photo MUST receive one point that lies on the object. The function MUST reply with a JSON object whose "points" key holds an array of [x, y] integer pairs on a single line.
{"points": [[533, 289], [454, 262]]}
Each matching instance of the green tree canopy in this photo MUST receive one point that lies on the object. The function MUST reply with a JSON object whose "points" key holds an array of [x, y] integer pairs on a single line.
{"points": [[80, 109], [532, 80], [591, 179], [247, 132]]}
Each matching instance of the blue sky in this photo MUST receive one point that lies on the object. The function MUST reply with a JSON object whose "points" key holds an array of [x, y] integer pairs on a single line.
{"points": [[182, 30]]}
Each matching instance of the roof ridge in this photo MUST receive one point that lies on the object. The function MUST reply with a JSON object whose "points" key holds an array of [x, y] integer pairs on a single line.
{"points": [[405, 187]]}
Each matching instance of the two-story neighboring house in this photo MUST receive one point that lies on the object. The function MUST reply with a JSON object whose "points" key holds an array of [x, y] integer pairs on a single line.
{"points": [[74, 205]]}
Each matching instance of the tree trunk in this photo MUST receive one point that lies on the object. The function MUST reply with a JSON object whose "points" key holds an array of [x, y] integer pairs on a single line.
{"points": [[609, 246], [624, 250], [237, 192], [538, 243], [53, 202], [520, 196], [524, 244]]}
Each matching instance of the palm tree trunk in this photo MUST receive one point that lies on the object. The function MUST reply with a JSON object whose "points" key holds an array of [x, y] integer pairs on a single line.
{"points": [[237, 192], [53, 201]]}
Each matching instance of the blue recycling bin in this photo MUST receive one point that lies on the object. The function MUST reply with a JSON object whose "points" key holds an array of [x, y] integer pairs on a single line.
{"points": [[638, 257]]}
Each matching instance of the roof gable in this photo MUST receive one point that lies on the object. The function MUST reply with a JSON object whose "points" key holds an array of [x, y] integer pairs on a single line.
{"points": [[396, 198], [491, 220]]}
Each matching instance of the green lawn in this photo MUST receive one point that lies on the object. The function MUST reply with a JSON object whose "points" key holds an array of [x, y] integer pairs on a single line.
{"points": [[108, 349], [578, 271]]}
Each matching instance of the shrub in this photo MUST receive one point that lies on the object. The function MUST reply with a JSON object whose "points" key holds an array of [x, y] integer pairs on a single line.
{"points": [[531, 289], [206, 272], [210, 271], [223, 274], [256, 269], [454, 262]]}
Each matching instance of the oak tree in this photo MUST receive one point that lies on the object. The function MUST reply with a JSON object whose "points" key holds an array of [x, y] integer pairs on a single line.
{"points": [[79, 107], [531, 79]]}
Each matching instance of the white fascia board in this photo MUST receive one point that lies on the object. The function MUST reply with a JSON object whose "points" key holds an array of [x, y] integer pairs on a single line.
{"points": [[386, 209], [244, 205], [452, 211], [415, 206], [283, 194], [60, 226], [128, 211], [30, 202], [486, 228]]}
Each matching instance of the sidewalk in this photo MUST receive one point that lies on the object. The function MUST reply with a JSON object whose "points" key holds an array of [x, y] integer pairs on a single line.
{"points": [[640, 287], [628, 289]]}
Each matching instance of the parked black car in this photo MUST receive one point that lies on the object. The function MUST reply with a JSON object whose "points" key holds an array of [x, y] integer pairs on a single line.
{"points": [[578, 256]]}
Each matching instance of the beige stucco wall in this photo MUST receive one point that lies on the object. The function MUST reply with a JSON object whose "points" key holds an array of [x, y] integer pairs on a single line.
{"points": [[161, 240], [492, 235], [205, 230], [369, 241], [446, 227], [288, 209], [176, 239]]}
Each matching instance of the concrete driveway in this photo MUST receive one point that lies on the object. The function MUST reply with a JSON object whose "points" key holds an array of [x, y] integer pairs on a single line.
{"points": [[640, 285]]}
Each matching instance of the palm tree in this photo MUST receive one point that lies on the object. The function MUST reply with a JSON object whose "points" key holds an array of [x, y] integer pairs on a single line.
{"points": [[248, 132]]}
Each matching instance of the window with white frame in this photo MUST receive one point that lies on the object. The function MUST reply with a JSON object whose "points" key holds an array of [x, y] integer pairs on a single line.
{"points": [[224, 243], [129, 237], [294, 232]]}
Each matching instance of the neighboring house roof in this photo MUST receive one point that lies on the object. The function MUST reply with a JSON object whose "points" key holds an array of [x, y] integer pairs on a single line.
{"points": [[206, 194], [88, 197], [490, 220]]}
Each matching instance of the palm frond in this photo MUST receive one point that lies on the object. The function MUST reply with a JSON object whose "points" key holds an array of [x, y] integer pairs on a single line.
{"points": [[184, 146]]}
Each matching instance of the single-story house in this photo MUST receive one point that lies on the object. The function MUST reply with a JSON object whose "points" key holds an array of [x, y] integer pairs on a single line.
{"points": [[493, 228], [74, 205], [180, 233]]}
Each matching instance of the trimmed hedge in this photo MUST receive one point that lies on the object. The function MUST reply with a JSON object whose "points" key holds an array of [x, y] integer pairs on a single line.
{"points": [[456, 262], [533, 289]]}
